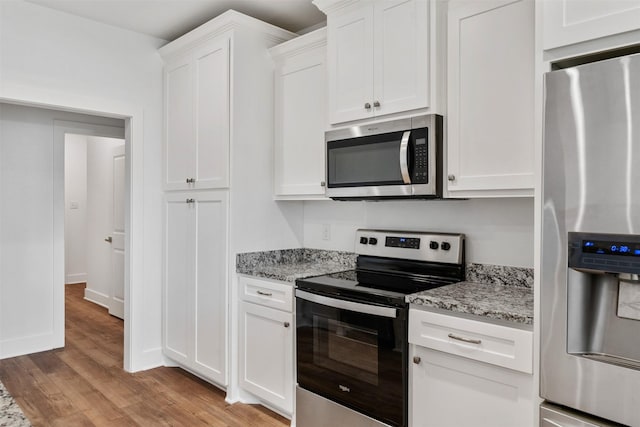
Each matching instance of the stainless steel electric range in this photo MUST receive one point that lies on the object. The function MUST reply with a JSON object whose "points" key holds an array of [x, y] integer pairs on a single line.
{"points": [[351, 328]]}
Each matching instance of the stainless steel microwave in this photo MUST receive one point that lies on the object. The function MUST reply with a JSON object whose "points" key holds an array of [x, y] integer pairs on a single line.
{"points": [[395, 159]]}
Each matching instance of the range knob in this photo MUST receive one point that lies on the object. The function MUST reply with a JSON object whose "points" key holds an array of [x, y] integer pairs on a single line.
{"points": [[373, 241], [364, 240], [445, 246], [433, 245]]}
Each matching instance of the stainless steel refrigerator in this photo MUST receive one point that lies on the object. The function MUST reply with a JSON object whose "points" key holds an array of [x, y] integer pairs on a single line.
{"points": [[590, 278]]}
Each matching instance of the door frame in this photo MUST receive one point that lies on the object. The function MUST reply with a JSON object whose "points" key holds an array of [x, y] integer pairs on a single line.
{"points": [[136, 357]]}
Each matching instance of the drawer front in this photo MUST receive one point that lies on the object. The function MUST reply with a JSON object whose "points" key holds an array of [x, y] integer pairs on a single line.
{"points": [[498, 345], [268, 293]]}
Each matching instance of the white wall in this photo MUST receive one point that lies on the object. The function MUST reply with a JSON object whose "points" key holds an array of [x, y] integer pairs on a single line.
{"points": [[99, 217], [52, 56], [499, 231], [75, 208]]}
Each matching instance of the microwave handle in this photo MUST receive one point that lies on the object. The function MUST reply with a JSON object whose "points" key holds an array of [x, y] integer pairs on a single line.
{"points": [[358, 307], [404, 161]]}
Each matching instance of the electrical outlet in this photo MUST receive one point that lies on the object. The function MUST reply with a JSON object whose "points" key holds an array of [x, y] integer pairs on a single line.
{"points": [[326, 232]]}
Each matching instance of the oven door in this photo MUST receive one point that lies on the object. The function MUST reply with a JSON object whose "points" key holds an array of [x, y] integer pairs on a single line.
{"points": [[354, 354]]}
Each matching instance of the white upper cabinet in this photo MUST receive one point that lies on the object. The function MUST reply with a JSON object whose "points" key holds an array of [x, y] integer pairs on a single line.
{"points": [[568, 22], [378, 57], [197, 118], [491, 90], [300, 116]]}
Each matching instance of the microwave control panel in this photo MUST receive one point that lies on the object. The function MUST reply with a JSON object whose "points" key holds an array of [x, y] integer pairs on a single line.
{"points": [[420, 174]]}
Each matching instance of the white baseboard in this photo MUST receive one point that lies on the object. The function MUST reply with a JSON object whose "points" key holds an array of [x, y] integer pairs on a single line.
{"points": [[27, 345], [147, 359], [96, 297], [72, 279]]}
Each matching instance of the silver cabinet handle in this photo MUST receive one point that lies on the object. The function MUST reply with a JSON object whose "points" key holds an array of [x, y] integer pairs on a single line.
{"points": [[376, 103], [451, 177], [191, 180], [463, 339], [108, 239], [323, 184], [367, 105], [286, 324], [404, 166], [266, 294], [190, 200], [417, 360]]}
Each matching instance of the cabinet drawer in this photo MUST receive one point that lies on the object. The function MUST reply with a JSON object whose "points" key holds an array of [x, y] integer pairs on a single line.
{"points": [[498, 345], [267, 293]]}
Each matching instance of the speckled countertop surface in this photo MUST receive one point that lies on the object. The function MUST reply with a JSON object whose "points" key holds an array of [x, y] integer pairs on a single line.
{"points": [[494, 301], [287, 265]]}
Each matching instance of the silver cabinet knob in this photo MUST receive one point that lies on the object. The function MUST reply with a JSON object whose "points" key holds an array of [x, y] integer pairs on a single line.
{"points": [[323, 184], [451, 177], [190, 200], [286, 324], [367, 105], [417, 360], [191, 180], [108, 239], [376, 103]]}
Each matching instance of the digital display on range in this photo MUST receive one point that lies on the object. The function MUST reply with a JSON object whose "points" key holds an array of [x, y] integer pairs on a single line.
{"points": [[403, 242], [611, 248]]}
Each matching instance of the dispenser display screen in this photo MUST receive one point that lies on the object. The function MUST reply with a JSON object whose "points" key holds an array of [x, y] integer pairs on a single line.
{"points": [[611, 248]]}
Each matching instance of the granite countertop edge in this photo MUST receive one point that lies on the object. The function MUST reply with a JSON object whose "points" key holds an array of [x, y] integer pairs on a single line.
{"points": [[515, 304]]}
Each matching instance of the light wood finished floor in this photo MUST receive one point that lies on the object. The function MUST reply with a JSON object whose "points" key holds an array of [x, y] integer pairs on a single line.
{"points": [[84, 384]]}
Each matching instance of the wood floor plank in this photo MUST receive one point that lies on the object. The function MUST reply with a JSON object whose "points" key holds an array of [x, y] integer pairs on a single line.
{"points": [[84, 383]]}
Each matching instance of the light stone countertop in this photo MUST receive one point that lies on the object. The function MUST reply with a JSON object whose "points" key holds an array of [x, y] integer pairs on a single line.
{"points": [[494, 301]]}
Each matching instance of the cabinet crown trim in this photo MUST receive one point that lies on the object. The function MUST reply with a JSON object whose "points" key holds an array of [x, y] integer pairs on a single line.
{"points": [[227, 21], [330, 6], [304, 43]]}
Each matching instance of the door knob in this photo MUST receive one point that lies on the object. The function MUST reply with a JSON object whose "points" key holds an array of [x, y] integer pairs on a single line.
{"points": [[286, 324], [367, 105], [451, 177], [376, 104], [417, 360], [108, 239]]}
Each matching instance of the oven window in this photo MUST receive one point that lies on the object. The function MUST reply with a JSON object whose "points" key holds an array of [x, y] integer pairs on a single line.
{"points": [[355, 359], [365, 161], [347, 349]]}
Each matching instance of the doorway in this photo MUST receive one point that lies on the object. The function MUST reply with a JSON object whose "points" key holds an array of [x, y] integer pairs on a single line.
{"points": [[94, 169]]}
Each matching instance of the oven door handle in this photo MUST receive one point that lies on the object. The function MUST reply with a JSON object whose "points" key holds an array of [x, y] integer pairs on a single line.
{"points": [[358, 307], [404, 158]]}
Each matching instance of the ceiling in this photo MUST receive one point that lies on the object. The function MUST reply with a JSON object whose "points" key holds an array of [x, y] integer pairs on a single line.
{"points": [[169, 19]]}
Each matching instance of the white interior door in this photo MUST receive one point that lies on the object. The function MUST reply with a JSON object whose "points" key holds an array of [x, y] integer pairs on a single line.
{"points": [[116, 294]]}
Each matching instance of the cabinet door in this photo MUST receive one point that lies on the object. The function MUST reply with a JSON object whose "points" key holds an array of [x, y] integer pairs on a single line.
{"points": [[350, 60], [266, 354], [300, 115], [401, 56], [567, 22], [178, 278], [180, 149], [449, 391], [211, 117], [491, 98], [210, 285]]}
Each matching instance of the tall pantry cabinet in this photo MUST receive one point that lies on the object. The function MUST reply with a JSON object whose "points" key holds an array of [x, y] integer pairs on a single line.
{"points": [[216, 79]]}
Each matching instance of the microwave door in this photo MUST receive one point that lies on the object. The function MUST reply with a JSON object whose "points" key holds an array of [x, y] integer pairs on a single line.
{"points": [[369, 166]]}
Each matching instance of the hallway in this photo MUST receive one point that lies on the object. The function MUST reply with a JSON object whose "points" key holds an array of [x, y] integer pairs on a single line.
{"points": [[84, 384]]}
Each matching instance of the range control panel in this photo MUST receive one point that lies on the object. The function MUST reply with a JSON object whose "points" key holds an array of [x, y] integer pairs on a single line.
{"points": [[419, 246]]}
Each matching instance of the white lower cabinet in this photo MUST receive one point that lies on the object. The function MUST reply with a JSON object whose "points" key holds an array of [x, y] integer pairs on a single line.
{"points": [[459, 387], [195, 286], [266, 342]]}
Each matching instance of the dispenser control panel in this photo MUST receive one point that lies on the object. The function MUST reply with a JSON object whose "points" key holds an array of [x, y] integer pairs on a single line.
{"points": [[615, 253]]}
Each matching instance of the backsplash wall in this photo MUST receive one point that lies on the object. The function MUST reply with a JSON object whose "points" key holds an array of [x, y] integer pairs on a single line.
{"points": [[499, 231]]}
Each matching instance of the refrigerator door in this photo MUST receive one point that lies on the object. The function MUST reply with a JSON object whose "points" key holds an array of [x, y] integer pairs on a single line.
{"points": [[554, 416], [591, 183]]}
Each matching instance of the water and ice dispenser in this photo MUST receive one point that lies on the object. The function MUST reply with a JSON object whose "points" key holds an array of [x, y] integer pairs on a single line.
{"points": [[603, 298]]}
